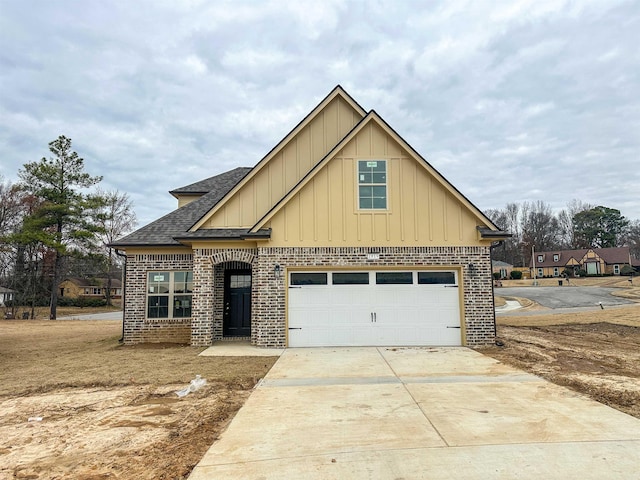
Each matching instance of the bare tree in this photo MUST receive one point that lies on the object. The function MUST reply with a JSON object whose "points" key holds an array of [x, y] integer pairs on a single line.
{"points": [[566, 224], [116, 219], [540, 228], [12, 210]]}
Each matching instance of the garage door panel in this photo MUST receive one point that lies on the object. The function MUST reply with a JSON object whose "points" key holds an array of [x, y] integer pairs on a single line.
{"points": [[376, 315]]}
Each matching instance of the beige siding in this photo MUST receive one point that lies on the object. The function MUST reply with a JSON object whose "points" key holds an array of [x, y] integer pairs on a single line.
{"points": [[421, 211], [287, 167], [186, 200]]}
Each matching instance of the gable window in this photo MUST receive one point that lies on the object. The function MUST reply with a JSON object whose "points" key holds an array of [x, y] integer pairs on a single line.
{"points": [[540, 258], [169, 294], [372, 184], [556, 257]]}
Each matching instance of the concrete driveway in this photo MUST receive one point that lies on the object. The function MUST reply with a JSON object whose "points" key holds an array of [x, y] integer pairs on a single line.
{"points": [[417, 413]]}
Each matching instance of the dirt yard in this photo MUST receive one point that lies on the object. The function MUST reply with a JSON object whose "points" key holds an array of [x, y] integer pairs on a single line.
{"points": [[596, 353], [76, 404]]}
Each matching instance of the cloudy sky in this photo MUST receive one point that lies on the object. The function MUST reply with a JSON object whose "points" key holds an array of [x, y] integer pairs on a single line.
{"points": [[517, 100]]}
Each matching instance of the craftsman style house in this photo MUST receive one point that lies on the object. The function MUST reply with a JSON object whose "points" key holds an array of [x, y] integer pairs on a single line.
{"points": [[341, 235], [593, 261]]}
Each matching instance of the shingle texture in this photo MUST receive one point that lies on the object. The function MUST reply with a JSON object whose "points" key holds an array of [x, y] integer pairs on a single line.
{"points": [[218, 182], [177, 223]]}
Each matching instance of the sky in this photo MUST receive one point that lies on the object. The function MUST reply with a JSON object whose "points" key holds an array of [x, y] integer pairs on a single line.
{"points": [[512, 101]]}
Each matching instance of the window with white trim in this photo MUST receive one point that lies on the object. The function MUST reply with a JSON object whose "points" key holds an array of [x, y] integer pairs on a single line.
{"points": [[616, 269], [556, 272], [372, 184], [169, 294]]}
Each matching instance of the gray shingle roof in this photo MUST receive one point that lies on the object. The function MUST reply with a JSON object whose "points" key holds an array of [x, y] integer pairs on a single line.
{"points": [[163, 232], [212, 183]]}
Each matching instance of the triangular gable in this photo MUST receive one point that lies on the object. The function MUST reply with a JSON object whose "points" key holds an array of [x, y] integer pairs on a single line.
{"points": [[372, 116], [336, 92]]}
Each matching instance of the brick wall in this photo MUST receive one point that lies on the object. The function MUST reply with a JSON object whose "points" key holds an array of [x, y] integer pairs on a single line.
{"points": [[137, 328], [268, 318], [268, 289]]}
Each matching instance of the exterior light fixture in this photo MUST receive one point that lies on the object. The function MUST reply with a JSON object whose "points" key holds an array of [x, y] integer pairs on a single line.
{"points": [[277, 271]]}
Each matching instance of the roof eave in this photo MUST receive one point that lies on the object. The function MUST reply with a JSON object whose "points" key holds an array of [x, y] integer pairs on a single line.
{"points": [[493, 234]]}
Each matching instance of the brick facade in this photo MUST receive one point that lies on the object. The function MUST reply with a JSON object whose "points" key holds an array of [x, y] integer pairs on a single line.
{"points": [[268, 317], [137, 327]]}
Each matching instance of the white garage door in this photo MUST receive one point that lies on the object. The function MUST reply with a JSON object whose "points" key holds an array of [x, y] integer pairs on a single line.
{"points": [[377, 308]]}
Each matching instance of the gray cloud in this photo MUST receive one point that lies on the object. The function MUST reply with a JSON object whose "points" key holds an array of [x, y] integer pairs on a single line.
{"points": [[511, 101]]}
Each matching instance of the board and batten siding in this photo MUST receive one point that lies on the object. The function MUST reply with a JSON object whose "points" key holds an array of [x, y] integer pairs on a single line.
{"points": [[287, 167], [421, 211]]}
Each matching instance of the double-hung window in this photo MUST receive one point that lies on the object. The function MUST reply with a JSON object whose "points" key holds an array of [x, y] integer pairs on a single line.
{"points": [[372, 184], [169, 294]]}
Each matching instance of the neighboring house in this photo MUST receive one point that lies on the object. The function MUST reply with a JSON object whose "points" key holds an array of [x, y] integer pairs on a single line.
{"points": [[594, 261], [502, 268], [6, 296], [90, 288], [341, 235]]}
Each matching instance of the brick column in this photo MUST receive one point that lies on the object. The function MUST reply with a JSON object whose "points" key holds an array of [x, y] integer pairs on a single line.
{"points": [[202, 310]]}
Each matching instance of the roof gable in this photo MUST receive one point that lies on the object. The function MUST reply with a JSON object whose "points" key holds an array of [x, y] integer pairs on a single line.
{"points": [[359, 143], [286, 163]]}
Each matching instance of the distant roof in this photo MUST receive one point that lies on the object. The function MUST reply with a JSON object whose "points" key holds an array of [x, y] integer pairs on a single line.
{"points": [[500, 263], [611, 256], [163, 232], [6, 290], [93, 282]]}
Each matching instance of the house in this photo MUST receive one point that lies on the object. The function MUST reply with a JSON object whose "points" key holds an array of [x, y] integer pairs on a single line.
{"points": [[341, 235], [593, 261], [503, 269], [90, 288], [6, 296]]}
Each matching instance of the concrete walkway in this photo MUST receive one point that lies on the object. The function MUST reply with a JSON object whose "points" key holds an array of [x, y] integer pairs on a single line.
{"points": [[418, 413]]}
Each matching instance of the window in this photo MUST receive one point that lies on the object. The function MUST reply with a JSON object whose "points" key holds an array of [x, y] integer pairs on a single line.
{"points": [[309, 278], [240, 281], [436, 278], [556, 272], [166, 289], [540, 273], [539, 258], [556, 257], [616, 269], [356, 278], [372, 184], [394, 278]]}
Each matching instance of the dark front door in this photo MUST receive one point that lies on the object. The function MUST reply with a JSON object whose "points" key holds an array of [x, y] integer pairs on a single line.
{"points": [[237, 303]]}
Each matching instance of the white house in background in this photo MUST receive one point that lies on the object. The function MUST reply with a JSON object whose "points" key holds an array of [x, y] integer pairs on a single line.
{"points": [[6, 295]]}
